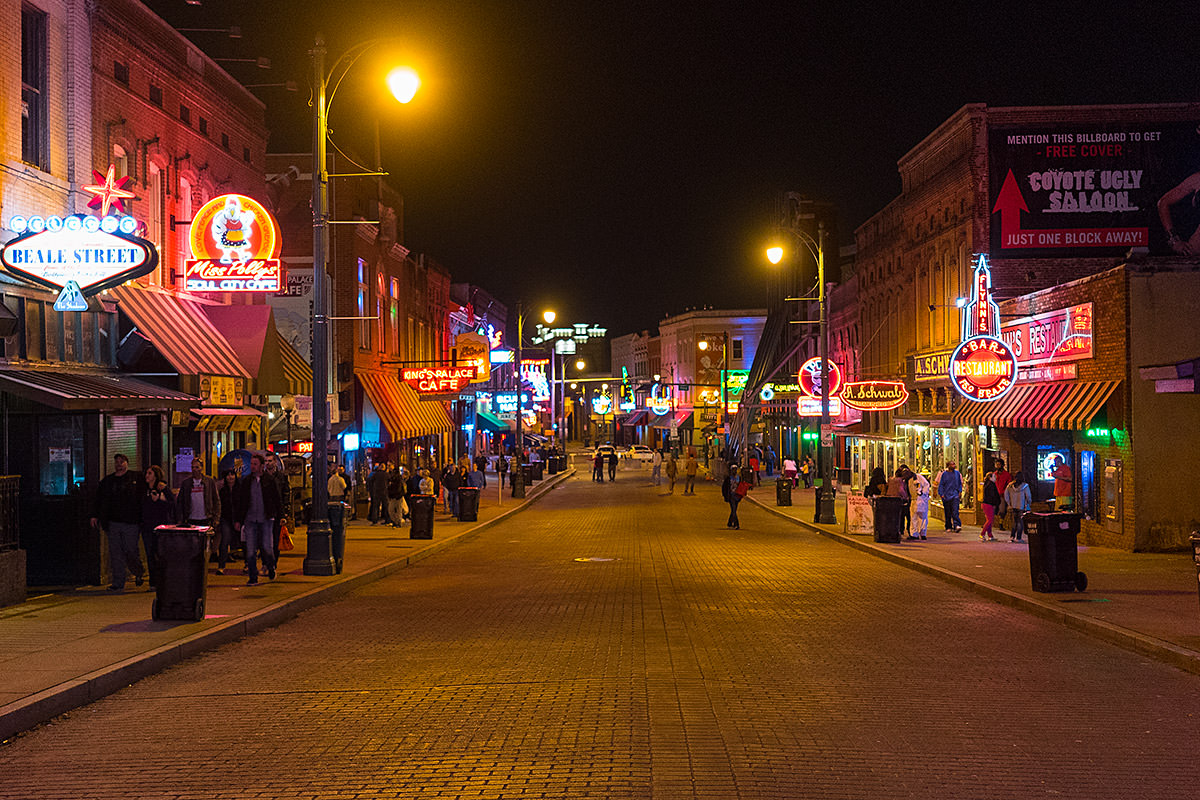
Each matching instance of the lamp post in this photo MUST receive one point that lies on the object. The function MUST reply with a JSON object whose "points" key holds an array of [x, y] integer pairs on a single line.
{"points": [[518, 476], [403, 84], [288, 403], [704, 345], [826, 512]]}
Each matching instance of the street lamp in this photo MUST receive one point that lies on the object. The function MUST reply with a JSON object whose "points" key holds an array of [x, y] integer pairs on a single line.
{"points": [[518, 475], [703, 344], [826, 513], [288, 403], [403, 83]]}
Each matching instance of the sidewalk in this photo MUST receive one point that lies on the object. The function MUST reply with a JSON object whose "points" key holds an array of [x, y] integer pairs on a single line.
{"points": [[63, 650], [1145, 602]]}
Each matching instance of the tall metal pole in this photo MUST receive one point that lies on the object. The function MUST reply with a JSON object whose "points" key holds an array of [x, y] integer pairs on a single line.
{"points": [[518, 474], [723, 378], [318, 559], [826, 512], [553, 394]]}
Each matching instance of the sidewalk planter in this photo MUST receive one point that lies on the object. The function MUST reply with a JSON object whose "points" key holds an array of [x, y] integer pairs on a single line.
{"points": [[888, 515], [468, 504], [783, 492], [1053, 551], [421, 510], [182, 582]]}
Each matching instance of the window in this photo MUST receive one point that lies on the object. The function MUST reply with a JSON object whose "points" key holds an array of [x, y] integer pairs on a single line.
{"points": [[121, 73], [225, 140], [246, 154], [183, 213], [120, 161], [156, 95], [364, 325], [185, 115], [34, 128], [379, 317], [735, 351], [203, 127]]}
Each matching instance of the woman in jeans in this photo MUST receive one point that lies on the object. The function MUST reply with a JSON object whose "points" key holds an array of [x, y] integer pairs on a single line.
{"points": [[1018, 497], [225, 532], [991, 501]]}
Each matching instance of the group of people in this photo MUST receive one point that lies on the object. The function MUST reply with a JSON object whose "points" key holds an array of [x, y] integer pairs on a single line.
{"points": [[913, 489], [804, 471], [390, 486], [1003, 493], [600, 459], [130, 507], [669, 464]]}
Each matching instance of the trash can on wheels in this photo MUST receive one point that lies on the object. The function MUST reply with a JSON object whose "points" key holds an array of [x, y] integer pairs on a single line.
{"points": [[182, 584], [552, 465], [783, 492], [468, 504], [421, 510], [888, 518], [337, 532], [539, 470], [1053, 551], [529, 474]]}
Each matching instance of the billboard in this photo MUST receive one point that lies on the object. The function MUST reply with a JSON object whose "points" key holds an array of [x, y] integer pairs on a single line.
{"points": [[1093, 189]]}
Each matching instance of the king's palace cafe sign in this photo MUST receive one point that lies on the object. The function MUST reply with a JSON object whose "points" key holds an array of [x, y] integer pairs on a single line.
{"points": [[1046, 346]]}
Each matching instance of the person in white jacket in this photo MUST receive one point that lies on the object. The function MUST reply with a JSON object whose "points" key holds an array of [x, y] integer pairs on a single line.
{"points": [[1019, 499], [918, 490], [656, 467]]}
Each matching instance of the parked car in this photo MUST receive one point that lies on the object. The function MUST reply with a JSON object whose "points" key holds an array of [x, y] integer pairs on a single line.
{"points": [[604, 450], [639, 452]]}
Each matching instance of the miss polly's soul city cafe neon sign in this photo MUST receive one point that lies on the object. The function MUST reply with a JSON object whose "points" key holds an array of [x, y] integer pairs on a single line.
{"points": [[235, 248]]}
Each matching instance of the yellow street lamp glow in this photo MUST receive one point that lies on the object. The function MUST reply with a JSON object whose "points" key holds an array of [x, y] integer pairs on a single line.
{"points": [[774, 254], [703, 345], [403, 83], [549, 317], [580, 364]]}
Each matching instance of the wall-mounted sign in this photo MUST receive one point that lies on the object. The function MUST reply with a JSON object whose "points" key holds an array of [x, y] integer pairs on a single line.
{"points": [[222, 390], [235, 248], [533, 372], [811, 406], [931, 366], [1053, 337], [476, 349], [983, 368], [1047, 373], [602, 404], [504, 405], [78, 256], [810, 378], [874, 395], [109, 191], [735, 382], [781, 390], [438, 380]]}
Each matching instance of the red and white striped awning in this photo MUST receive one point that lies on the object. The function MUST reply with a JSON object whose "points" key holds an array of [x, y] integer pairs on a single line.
{"points": [[1069, 405]]}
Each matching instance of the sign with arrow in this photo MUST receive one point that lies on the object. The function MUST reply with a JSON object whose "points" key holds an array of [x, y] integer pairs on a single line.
{"points": [[1092, 189]]}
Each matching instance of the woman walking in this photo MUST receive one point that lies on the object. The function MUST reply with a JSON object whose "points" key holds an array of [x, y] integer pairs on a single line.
{"points": [[733, 489], [1018, 497], [158, 508], [991, 501], [918, 490]]}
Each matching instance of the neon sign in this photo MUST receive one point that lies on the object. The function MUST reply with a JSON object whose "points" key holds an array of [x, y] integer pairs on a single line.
{"points": [[810, 378], [438, 380], [874, 395], [983, 368], [811, 406], [475, 348], [109, 191], [602, 404], [235, 248]]}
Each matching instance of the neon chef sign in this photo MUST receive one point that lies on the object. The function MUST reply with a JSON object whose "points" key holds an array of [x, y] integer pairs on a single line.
{"points": [[235, 248], [438, 380]]}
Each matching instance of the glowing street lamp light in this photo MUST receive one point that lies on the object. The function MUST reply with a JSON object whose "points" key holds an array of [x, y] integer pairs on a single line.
{"points": [[403, 83]]}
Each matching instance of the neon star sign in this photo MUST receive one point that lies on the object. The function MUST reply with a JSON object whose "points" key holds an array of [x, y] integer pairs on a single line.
{"points": [[109, 191]]}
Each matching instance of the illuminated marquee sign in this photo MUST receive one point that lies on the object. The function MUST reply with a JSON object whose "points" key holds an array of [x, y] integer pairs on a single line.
{"points": [[78, 256], [438, 380], [874, 395], [1050, 338], [476, 349], [983, 368], [810, 378], [811, 406], [235, 248]]}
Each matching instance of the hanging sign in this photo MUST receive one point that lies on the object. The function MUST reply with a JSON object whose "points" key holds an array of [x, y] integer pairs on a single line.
{"points": [[78, 256], [810, 378], [874, 395], [222, 390], [235, 248], [983, 368], [475, 349], [811, 406], [438, 380], [602, 404]]}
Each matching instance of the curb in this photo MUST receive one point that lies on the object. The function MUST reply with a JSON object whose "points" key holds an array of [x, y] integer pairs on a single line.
{"points": [[1141, 643], [28, 712]]}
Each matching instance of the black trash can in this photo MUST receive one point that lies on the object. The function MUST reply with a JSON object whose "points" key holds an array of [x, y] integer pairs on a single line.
{"points": [[468, 504], [529, 473], [552, 465], [1195, 539], [420, 508], [1054, 551], [783, 491], [539, 470], [182, 583], [888, 518], [337, 532]]}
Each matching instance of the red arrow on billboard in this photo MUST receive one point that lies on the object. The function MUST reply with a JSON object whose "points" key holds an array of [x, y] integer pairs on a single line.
{"points": [[1010, 203]]}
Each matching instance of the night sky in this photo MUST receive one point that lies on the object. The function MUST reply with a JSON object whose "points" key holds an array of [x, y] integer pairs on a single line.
{"points": [[619, 161]]}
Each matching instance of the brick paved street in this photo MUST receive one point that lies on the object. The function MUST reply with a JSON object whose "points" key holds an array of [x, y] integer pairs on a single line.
{"points": [[686, 660]]}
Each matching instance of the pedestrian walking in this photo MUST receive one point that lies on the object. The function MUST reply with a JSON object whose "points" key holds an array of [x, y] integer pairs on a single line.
{"points": [[772, 461], [904, 473], [791, 472], [729, 492], [755, 464], [918, 490], [452, 478], [656, 460], [991, 502], [1019, 500], [256, 506], [199, 500], [690, 468], [612, 466], [949, 488], [481, 465], [377, 492], [119, 515], [396, 507], [225, 531], [598, 467], [502, 468], [271, 469], [672, 472], [158, 508]]}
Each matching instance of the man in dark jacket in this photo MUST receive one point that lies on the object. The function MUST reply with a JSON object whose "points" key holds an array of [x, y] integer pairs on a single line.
{"points": [[119, 514], [256, 506], [377, 489]]}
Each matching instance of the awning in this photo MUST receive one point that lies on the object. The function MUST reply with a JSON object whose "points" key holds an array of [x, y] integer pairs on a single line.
{"points": [[683, 419], [79, 391], [1069, 405], [402, 411], [297, 371], [227, 419], [636, 418], [250, 331], [180, 330], [489, 422]]}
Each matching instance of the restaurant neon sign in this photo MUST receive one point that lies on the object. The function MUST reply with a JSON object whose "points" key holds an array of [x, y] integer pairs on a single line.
{"points": [[235, 248], [983, 368]]}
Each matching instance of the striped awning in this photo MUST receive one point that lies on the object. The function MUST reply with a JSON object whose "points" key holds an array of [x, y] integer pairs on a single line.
{"points": [[297, 371], [1069, 405], [402, 411], [78, 391], [636, 418], [180, 330]]}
